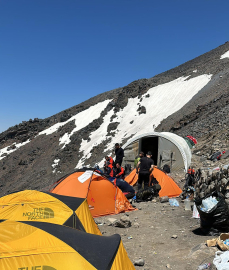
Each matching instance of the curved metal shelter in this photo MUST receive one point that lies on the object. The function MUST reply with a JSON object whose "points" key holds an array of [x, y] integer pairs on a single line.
{"points": [[167, 148]]}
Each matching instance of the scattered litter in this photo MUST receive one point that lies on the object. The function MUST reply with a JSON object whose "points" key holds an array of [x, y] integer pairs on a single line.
{"points": [[129, 237], [174, 236], [208, 204], [225, 167], [187, 204], [226, 242], [173, 202], [195, 213], [216, 169], [204, 266], [221, 260]]}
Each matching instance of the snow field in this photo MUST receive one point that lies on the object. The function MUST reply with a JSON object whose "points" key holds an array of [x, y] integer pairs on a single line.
{"points": [[82, 119], [96, 137], [163, 101], [225, 55], [7, 152]]}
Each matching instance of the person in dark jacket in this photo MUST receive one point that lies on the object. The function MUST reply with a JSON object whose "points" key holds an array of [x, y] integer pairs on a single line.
{"points": [[119, 171], [144, 169], [119, 154], [126, 188]]}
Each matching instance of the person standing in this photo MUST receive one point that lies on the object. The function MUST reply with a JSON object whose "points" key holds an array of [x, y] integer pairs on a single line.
{"points": [[141, 155], [144, 169], [119, 154]]}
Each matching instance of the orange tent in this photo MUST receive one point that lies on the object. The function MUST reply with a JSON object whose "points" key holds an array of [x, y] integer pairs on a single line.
{"points": [[103, 197], [132, 178], [168, 186]]}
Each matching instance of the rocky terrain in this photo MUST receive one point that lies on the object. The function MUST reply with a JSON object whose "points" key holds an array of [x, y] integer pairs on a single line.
{"points": [[161, 236], [165, 237], [32, 159]]}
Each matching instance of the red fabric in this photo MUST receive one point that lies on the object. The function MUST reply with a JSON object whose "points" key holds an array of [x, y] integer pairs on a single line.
{"points": [[112, 171], [192, 139], [111, 160], [121, 173]]}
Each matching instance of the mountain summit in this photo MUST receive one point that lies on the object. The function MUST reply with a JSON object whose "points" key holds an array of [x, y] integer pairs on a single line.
{"points": [[189, 99]]}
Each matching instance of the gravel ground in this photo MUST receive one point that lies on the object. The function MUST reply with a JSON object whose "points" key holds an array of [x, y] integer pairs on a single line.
{"points": [[152, 230]]}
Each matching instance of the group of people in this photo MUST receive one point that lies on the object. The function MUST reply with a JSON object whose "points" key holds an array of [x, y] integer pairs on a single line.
{"points": [[116, 173], [113, 168]]}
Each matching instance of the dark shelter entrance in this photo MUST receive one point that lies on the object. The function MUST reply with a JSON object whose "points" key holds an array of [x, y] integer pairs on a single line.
{"points": [[149, 144]]}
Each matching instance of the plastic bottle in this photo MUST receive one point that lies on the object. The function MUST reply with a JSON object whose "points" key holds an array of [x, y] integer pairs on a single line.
{"points": [[173, 202], [209, 203], [204, 266], [187, 204], [226, 242]]}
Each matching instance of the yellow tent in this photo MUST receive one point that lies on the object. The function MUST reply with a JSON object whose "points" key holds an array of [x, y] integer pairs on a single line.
{"points": [[33, 205], [45, 246]]}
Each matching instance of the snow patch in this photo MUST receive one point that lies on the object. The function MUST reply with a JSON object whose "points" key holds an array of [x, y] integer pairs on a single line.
{"points": [[225, 55], [96, 137], [164, 100], [4, 151], [81, 119], [55, 164]]}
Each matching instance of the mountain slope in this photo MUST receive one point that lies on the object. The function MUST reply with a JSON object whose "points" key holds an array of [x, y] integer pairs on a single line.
{"points": [[35, 153]]}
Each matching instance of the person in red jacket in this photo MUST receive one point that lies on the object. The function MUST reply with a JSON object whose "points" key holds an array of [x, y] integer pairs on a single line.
{"points": [[119, 171], [108, 160], [110, 170]]}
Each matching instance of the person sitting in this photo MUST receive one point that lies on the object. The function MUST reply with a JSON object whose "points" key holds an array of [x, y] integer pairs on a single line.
{"points": [[109, 171], [127, 189], [119, 171], [108, 160]]}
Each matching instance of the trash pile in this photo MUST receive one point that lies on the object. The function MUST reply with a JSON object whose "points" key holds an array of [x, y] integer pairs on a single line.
{"points": [[211, 196]]}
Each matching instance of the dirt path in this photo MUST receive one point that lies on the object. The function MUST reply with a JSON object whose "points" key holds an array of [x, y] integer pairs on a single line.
{"points": [[153, 242]]}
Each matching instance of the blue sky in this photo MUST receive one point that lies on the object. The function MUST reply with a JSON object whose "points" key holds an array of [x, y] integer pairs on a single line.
{"points": [[55, 54]]}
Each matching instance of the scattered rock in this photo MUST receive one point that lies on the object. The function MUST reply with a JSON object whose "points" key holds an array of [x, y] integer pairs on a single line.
{"points": [[111, 221], [99, 221], [124, 222], [164, 199], [136, 225], [139, 262]]}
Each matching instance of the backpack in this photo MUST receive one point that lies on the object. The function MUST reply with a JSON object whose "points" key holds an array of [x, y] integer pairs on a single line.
{"points": [[127, 169], [214, 156], [144, 195]]}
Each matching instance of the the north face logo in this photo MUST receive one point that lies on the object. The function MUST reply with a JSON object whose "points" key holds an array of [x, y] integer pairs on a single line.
{"points": [[38, 267], [39, 213]]}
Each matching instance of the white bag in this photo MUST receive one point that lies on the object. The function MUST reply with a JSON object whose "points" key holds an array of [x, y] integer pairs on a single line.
{"points": [[195, 213]]}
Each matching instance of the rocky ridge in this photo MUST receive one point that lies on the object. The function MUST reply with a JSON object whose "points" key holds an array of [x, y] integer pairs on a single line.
{"points": [[204, 117]]}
